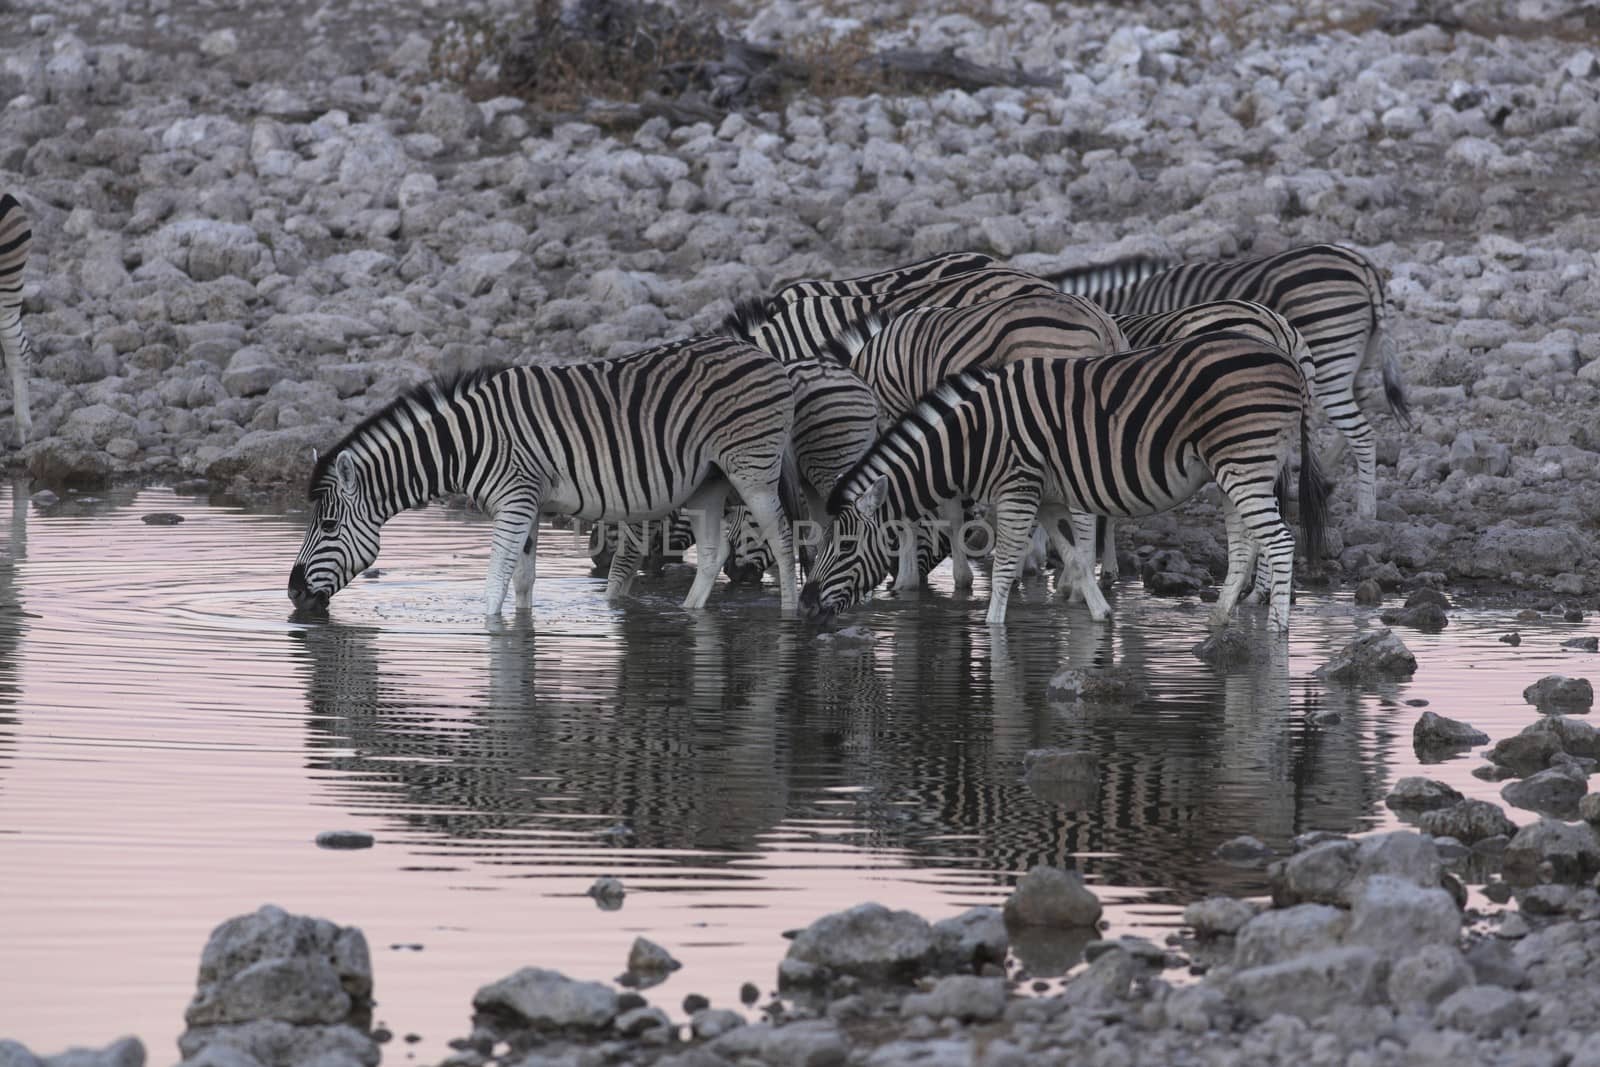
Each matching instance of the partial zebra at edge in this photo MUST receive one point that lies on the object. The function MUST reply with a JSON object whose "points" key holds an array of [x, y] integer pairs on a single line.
{"points": [[16, 350]]}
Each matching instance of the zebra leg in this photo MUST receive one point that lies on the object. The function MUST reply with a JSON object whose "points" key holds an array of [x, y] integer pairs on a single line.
{"points": [[1110, 570], [1343, 408], [960, 567], [1241, 563], [1033, 560], [1054, 520], [907, 574], [1015, 515], [522, 579], [625, 559], [1261, 585], [15, 355], [704, 510], [1263, 524], [768, 512], [513, 522], [1083, 526]]}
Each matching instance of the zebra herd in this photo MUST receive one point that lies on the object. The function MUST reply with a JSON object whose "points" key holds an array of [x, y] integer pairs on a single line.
{"points": [[899, 411]]}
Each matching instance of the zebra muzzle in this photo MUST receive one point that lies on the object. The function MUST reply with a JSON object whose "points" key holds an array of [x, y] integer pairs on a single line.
{"points": [[301, 595]]}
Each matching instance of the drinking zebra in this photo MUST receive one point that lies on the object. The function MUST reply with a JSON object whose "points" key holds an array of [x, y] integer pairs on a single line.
{"points": [[16, 352], [1331, 294], [1061, 440], [910, 355], [621, 440]]}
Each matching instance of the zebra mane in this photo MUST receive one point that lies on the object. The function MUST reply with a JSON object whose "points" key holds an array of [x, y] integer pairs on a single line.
{"points": [[443, 388], [1109, 277], [748, 316], [853, 336], [901, 438]]}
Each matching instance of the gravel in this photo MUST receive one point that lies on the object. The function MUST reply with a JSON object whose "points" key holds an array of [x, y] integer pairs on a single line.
{"points": [[252, 233]]}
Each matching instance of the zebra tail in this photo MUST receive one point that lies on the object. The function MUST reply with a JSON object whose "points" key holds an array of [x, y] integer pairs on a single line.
{"points": [[789, 488], [1314, 489], [1393, 388]]}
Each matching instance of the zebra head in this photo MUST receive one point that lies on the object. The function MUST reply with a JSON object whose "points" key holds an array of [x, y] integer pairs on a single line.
{"points": [[342, 538], [855, 558]]}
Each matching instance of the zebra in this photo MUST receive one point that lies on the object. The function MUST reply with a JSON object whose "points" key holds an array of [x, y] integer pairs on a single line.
{"points": [[1333, 295], [909, 356], [16, 351], [1217, 316], [836, 419], [1062, 440], [622, 439], [888, 282], [804, 326], [835, 422]]}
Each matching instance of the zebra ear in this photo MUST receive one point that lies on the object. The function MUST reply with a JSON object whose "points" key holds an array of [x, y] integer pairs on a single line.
{"points": [[344, 472], [870, 501]]}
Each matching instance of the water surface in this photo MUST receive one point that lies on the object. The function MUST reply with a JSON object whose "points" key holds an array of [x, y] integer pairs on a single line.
{"points": [[171, 742]]}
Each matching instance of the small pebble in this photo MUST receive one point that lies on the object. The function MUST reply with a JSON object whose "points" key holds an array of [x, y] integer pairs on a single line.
{"points": [[1499, 892], [695, 1002], [1513, 639], [1582, 644], [344, 839], [1572, 615], [161, 518], [382, 1035], [1417, 702], [749, 993]]}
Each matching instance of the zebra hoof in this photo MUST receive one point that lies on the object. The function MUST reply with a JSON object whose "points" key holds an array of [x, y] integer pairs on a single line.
{"points": [[743, 573]]}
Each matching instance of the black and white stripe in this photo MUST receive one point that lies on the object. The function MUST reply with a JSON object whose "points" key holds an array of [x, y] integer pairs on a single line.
{"points": [[896, 279], [1061, 440], [805, 327], [1332, 295], [918, 349], [16, 351], [619, 440]]}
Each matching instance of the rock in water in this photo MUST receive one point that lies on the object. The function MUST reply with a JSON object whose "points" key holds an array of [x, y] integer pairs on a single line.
{"points": [[1050, 896], [1421, 794], [344, 839], [1104, 685], [548, 999], [1435, 732], [1060, 764], [608, 893], [273, 968], [1245, 851], [1225, 648], [1469, 822], [1378, 655], [1218, 916], [868, 941], [1558, 691], [648, 958], [1429, 618], [1554, 792], [1571, 850]]}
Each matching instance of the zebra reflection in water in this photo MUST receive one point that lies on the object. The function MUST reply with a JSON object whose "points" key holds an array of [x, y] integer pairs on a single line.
{"points": [[673, 736], [12, 618]]}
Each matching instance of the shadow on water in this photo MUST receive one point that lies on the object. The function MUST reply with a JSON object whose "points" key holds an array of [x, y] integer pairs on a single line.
{"points": [[703, 737]]}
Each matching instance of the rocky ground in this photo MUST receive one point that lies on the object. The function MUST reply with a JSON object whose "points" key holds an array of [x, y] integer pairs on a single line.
{"points": [[255, 226]]}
